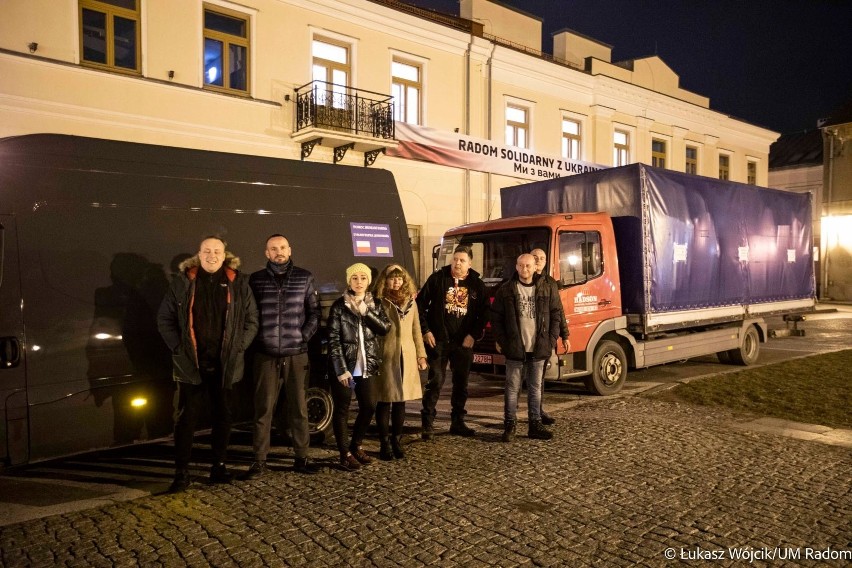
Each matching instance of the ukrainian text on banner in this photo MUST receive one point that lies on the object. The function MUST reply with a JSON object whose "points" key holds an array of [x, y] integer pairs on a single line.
{"points": [[458, 150]]}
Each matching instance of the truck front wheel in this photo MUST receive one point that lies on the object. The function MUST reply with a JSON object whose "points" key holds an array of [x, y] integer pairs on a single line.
{"points": [[749, 349], [609, 370], [320, 406]]}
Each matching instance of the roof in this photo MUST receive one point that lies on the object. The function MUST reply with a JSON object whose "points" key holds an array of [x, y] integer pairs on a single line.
{"points": [[798, 149], [841, 115]]}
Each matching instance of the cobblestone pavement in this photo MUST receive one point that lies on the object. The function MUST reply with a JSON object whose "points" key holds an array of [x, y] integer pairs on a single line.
{"points": [[625, 482]]}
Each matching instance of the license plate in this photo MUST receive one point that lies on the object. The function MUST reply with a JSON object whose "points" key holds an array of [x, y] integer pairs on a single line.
{"points": [[482, 358]]}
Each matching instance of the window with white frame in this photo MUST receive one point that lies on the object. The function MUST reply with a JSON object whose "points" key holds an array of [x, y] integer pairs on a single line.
{"points": [[691, 166], [331, 66], [407, 86], [751, 174], [724, 167], [570, 139], [226, 50], [517, 125], [109, 34], [658, 153], [620, 148]]}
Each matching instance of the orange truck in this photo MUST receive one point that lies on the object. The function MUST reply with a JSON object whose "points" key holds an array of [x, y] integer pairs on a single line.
{"points": [[653, 266]]}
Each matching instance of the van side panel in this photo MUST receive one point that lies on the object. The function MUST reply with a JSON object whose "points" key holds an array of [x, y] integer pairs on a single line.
{"points": [[102, 227]]}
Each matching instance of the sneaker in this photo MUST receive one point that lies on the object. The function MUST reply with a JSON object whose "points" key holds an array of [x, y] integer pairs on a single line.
{"points": [[349, 463], [304, 466], [459, 428], [547, 419], [361, 456], [256, 470], [220, 474], [181, 482]]}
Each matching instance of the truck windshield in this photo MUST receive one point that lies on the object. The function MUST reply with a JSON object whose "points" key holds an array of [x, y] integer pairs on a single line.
{"points": [[496, 253]]}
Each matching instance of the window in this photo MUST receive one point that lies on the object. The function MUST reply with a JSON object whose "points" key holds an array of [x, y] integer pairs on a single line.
{"points": [[691, 160], [752, 172], [724, 167], [579, 257], [620, 148], [406, 88], [517, 126], [658, 153], [496, 254], [109, 34], [331, 66], [226, 50], [570, 139]]}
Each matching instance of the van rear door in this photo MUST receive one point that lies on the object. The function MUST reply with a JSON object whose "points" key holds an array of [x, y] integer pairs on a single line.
{"points": [[14, 441]]}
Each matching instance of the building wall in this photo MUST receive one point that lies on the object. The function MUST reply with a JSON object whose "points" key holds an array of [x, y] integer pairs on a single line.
{"points": [[468, 81], [837, 212]]}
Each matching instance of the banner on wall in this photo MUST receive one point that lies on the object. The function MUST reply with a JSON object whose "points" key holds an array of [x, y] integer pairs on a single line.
{"points": [[460, 151]]}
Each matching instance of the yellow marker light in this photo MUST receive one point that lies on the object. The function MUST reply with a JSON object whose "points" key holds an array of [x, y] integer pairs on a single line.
{"points": [[138, 402]]}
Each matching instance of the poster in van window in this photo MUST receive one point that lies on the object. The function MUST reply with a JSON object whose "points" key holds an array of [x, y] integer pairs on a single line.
{"points": [[371, 239]]}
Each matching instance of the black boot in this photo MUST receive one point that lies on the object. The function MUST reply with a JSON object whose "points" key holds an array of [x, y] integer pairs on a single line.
{"points": [[385, 452], [509, 430], [220, 474], [396, 447], [547, 419], [537, 431], [459, 428], [181, 482], [428, 432]]}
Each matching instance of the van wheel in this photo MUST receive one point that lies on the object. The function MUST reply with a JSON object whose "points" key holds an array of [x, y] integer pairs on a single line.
{"points": [[609, 369], [749, 350], [320, 407]]}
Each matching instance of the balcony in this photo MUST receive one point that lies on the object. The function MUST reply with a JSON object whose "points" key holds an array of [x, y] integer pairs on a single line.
{"points": [[343, 118]]}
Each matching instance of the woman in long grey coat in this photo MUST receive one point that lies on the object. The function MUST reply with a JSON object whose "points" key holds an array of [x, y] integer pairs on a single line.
{"points": [[404, 356]]}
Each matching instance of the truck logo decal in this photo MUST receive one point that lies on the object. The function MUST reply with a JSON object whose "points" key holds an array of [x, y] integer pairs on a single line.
{"points": [[584, 302]]}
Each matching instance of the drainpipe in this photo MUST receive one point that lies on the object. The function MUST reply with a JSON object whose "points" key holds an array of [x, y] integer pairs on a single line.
{"points": [[488, 178], [826, 206]]}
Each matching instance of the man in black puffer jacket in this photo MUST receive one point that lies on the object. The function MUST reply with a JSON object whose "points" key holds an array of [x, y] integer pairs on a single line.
{"points": [[289, 316], [525, 318]]}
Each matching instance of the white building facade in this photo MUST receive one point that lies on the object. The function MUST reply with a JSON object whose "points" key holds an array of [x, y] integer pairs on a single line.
{"points": [[455, 106]]}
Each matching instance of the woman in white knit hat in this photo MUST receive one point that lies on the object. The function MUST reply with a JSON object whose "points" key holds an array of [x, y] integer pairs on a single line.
{"points": [[355, 322]]}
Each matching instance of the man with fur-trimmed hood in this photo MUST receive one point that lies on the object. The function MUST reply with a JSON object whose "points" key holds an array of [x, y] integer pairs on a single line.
{"points": [[208, 318]]}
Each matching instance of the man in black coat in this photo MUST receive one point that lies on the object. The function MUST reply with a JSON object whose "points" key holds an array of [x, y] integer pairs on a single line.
{"points": [[525, 322], [289, 317], [453, 312], [540, 262], [208, 318]]}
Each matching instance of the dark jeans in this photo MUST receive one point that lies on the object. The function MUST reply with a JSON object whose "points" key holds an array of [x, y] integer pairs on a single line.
{"points": [[342, 397], [390, 413], [270, 375], [190, 401], [459, 359]]}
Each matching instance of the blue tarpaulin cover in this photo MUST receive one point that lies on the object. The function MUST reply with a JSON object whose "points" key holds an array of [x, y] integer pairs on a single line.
{"points": [[710, 242]]}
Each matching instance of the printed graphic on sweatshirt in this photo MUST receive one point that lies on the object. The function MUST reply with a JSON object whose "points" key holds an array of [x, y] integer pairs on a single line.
{"points": [[455, 301], [526, 306]]}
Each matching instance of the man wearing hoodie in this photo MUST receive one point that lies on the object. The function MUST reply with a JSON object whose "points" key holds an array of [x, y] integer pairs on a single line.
{"points": [[453, 309], [208, 318], [289, 316]]}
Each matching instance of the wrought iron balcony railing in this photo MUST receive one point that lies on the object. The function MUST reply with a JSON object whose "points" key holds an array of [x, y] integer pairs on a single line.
{"points": [[337, 107]]}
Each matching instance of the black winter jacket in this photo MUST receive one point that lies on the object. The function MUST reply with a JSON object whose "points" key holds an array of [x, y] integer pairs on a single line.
{"points": [[289, 314], [505, 324], [343, 332], [431, 303], [174, 320]]}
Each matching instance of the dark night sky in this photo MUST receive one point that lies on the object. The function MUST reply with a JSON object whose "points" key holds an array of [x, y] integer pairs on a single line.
{"points": [[780, 64]]}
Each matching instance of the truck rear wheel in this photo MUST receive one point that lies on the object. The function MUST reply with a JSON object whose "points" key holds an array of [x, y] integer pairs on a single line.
{"points": [[609, 369], [749, 349]]}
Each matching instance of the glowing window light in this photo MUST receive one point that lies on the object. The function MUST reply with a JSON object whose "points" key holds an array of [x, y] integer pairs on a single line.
{"points": [[138, 402]]}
